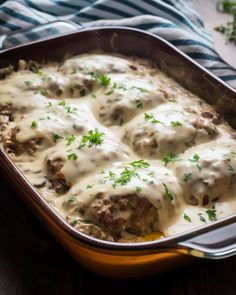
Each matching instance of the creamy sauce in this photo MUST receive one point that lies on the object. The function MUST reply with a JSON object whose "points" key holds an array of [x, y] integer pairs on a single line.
{"points": [[97, 128]]}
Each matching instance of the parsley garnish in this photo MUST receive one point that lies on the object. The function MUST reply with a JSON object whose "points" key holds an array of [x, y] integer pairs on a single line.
{"points": [[150, 117], [186, 217], [128, 173], [28, 83], [62, 103], [202, 219], [103, 79], [140, 89], [56, 137], [195, 160], [70, 139], [139, 105], [176, 123], [43, 91], [229, 29], [34, 124], [71, 199], [211, 214], [139, 164], [49, 105], [89, 186], [170, 158], [187, 177], [72, 156], [94, 137], [138, 189], [169, 195], [74, 222]]}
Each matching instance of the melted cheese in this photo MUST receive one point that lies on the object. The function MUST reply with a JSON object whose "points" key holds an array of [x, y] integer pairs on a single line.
{"points": [[140, 113]]}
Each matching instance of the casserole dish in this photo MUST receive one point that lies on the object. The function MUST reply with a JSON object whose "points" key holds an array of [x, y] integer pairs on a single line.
{"points": [[217, 240]]}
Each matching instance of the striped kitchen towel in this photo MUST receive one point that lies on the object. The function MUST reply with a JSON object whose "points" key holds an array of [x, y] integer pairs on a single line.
{"points": [[173, 20]]}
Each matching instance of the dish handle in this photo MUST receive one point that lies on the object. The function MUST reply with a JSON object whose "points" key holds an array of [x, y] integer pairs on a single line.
{"points": [[214, 244], [40, 32]]}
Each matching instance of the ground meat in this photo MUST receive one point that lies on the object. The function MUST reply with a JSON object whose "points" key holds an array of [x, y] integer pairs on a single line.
{"points": [[118, 214], [12, 146], [89, 228], [56, 178]]}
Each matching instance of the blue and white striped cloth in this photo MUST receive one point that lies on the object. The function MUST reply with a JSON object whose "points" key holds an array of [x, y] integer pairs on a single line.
{"points": [[174, 20]]}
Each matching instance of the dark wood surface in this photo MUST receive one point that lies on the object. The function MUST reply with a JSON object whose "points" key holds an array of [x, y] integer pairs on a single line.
{"points": [[32, 262]]}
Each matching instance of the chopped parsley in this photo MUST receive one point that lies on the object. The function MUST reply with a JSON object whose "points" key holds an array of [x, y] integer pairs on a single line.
{"points": [[186, 217], [71, 110], [28, 83], [56, 137], [140, 89], [72, 156], [93, 95], [195, 160], [202, 219], [228, 29], [150, 117], [103, 79], [139, 105], [127, 174], [139, 164], [89, 186], [43, 91], [70, 139], [169, 195], [170, 158], [49, 105], [138, 189], [94, 137], [187, 177], [211, 214], [34, 124], [62, 103], [71, 199], [176, 123], [74, 222]]}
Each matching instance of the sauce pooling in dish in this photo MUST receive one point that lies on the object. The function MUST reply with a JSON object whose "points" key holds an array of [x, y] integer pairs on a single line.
{"points": [[121, 151]]}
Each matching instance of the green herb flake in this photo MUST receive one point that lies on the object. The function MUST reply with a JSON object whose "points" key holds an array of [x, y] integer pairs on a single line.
{"points": [[202, 219], [139, 164], [195, 160], [138, 189], [43, 91], [28, 83], [150, 117], [62, 103], [187, 177], [139, 105], [74, 222], [169, 195], [186, 217], [211, 214], [89, 186], [72, 156], [56, 137], [170, 158], [228, 29], [176, 123], [49, 104], [93, 95], [34, 124], [70, 139], [71, 199], [93, 138]]}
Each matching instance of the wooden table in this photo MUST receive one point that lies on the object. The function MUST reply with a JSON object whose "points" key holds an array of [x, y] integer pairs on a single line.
{"points": [[32, 262]]}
